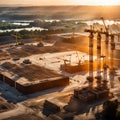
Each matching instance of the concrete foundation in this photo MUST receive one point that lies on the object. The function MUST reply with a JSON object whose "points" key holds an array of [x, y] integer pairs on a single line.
{"points": [[32, 82], [32, 87]]}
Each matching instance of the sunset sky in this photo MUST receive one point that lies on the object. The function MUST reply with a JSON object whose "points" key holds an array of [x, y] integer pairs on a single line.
{"points": [[61, 2]]}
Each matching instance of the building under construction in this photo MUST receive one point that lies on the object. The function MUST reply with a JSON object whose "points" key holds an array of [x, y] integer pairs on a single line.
{"points": [[78, 67], [81, 64], [22, 77], [98, 85]]}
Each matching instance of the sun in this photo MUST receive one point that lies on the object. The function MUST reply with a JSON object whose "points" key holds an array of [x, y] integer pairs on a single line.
{"points": [[108, 2], [96, 2]]}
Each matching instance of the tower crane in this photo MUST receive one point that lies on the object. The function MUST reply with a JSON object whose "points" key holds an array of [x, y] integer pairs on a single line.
{"points": [[98, 77], [18, 42], [106, 61], [90, 78], [102, 87], [106, 27], [107, 32], [112, 70], [112, 48]]}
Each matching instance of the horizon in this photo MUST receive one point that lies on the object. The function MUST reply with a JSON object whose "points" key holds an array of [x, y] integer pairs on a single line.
{"points": [[29, 5]]}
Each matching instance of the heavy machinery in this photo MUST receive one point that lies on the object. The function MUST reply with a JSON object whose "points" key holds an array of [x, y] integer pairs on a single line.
{"points": [[40, 42], [26, 61], [19, 41], [99, 90], [110, 40]]}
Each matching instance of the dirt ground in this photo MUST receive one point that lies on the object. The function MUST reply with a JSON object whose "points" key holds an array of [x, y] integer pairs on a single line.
{"points": [[5, 106], [25, 117]]}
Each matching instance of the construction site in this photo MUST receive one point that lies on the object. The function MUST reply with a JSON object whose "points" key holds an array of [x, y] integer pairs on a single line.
{"points": [[59, 79]]}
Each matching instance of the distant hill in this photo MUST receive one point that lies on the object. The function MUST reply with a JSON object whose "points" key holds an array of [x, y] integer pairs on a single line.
{"points": [[60, 12]]}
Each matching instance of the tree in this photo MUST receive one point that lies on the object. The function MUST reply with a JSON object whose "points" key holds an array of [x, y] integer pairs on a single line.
{"points": [[110, 109], [118, 115]]}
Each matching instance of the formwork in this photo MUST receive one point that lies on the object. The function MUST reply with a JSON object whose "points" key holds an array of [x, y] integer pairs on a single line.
{"points": [[74, 68], [90, 95], [78, 67], [31, 78]]}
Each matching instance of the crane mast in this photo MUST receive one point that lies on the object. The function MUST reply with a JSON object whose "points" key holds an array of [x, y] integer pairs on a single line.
{"points": [[106, 54], [90, 77], [18, 42]]}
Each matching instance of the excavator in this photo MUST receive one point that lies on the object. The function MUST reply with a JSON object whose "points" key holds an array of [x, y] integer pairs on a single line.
{"points": [[40, 42]]}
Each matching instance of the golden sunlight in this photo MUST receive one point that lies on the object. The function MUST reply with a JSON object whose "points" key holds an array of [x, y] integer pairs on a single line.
{"points": [[98, 2], [108, 2], [62, 2]]}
